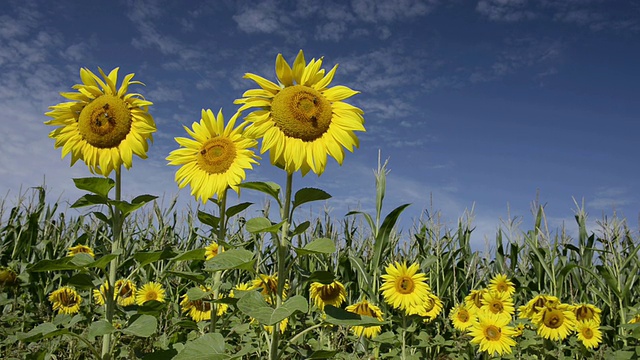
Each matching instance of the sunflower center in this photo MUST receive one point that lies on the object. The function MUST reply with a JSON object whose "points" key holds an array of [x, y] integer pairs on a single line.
{"points": [[105, 121], [553, 319], [405, 285], [492, 333], [301, 112], [68, 299], [329, 293], [151, 295], [496, 307], [217, 155], [463, 315], [587, 333], [502, 287]]}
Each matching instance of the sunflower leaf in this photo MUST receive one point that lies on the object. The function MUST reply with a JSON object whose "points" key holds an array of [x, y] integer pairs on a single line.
{"points": [[231, 259], [53, 265], [195, 254], [269, 188], [317, 246], [195, 293], [208, 219], [145, 258], [99, 328], [199, 278], [206, 347], [97, 185], [143, 326], [300, 228], [337, 316], [323, 277], [262, 225], [306, 195], [254, 305], [236, 209], [90, 200]]}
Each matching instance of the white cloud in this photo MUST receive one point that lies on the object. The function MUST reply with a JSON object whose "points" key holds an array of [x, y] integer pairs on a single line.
{"points": [[505, 10]]}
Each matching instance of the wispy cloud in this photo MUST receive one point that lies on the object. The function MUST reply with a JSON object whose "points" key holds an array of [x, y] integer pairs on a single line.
{"points": [[505, 10]]}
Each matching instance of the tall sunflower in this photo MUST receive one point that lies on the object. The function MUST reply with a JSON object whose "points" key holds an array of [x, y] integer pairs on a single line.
{"points": [[65, 300], [589, 333], [365, 308], [493, 334], [555, 323], [461, 317], [149, 292], [301, 119], [500, 283], [327, 294], [215, 159], [404, 287], [200, 310], [103, 125]]}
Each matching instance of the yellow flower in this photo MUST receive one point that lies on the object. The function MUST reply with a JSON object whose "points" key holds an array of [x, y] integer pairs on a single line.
{"points": [[555, 323], [430, 308], [200, 310], [404, 287], [539, 302], [519, 329], [99, 295], [80, 249], [65, 300], [498, 303], [366, 308], [493, 335], [327, 294], [268, 285], [150, 291], [301, 119], [125, 292], [8, 277], [585, 312], [103, 125], [461, 317], [212, 250], [635, 319], [283, 326], [215, 159], [500, 283], [473, 301], [589, 333]]}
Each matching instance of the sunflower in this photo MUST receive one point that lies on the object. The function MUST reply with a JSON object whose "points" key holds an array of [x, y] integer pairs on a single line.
{"points": [[103, 125], [461, 317], [500, 283], [366, 308], [473, 301], [8, 277], [282, 325], [539, 302], [589, 333], [430, 308], [211, 250], [80, 249], [200, 310], [300, 119], [498, 303], [493, 335], [215, 159], [149, 292], [99, 295], [585, 312], [327, 294], [65, 300], [635, 319], [404, 288], [555, 323], [519, 329], [268, 285], [125, 292]]}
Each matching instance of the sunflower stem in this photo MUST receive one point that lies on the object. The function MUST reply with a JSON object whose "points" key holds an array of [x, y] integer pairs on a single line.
{"points": [[113, 265], [282, 251], [222, 232], [404, 336]]}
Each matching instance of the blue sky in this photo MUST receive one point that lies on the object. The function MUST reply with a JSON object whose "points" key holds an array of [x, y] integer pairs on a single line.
{"points": [[482, 104]]}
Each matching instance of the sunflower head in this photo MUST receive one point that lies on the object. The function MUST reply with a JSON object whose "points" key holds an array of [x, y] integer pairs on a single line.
{"points": [[501, 284], [8, 277], [65, 300], [584, 312], [151, 291], [498, 303], [493, 334], [125, 292], [211, 250], [461, 317], [589, 333], [215, 158], [301, 119], [404, 287], [327, 294], [102, 125], [538, 303], [431, 307], [555, 323], [473, 301], [80, 249], [366, 308]]}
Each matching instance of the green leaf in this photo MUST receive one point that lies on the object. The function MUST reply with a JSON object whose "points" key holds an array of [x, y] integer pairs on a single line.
{"points": [[382, 239], [143, 326], [196, 293], [323, 354], [82, 280], [89, 200], [261, 225], [318, 246], [254, 305], [300, 228], [206, 347], [196, 254], [82, 259], [97, 185], [102, 262], [143, 199], [306, 195], [99, 328], [208, 219], [125, 207], [231, 259], [323, 277], [53, 265], [199, 278], [236, 209], [145, 258], [337, 316], [161, 355], [37, 332], [270, 188]]}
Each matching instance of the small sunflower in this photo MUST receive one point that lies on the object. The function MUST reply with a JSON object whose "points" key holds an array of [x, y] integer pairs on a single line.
{"points": [[200, 310], [80, 249], [327, 294], [473, 301], [301, 119], [215, 159], [268, 285], [635, 319], [211, 250], [282, 325], [366, 308], [589, 333], [461, 317], [538, 303], [501, 284], [430, 308], [519, 329], [103, 125], [150, 291], [585, 312], [8, 277], [555, 323], [498, 303], [493, 335], [404, 287], [65, 300], [125, 292], [99, 295]]}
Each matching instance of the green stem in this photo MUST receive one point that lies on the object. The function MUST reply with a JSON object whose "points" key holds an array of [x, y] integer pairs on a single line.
{"points": [[404, 336], [282, 251], [113, 265], [222, 232]]}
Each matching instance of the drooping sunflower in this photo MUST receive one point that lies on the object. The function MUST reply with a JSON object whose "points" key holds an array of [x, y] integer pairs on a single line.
{"points": [[498, 303], [125, 291], [268, 285], [538, 303], [200, 310], [586, 312], [150, 291], [100, 294], [404, 287], [461, 317], [500, 283], [282, 326], [215, 159], [211, 250], [327, 294], [301, 119], [493, 334], [589, 333], [103, 125], [430, 308], [365, 308], [65, 300], [473, 301], [555, 323], [80, 249]]}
